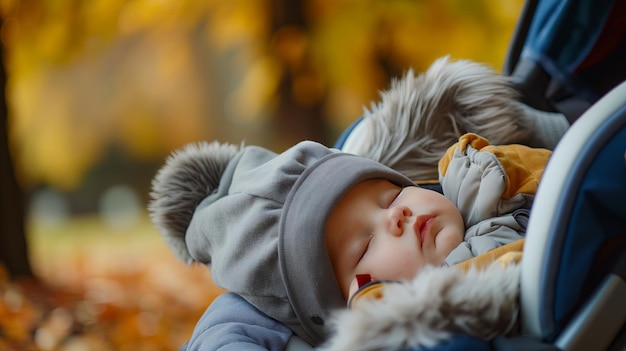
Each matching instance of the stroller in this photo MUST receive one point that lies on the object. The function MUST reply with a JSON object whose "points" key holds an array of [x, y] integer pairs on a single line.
{"points": [[570, 57]]}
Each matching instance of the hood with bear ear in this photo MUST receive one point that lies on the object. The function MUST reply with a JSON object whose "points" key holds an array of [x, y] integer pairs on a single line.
{"points": [[259, 222], [188, 177]]}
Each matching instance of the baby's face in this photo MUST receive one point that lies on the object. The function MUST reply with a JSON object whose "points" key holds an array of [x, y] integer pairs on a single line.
{"points": [[388, 232]]}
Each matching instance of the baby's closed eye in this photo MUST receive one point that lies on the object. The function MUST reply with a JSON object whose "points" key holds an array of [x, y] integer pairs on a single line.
{"points": [[367, 246]]}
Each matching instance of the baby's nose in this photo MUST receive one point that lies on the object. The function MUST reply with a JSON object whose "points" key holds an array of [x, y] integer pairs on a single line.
{"points": [[396, 219]]}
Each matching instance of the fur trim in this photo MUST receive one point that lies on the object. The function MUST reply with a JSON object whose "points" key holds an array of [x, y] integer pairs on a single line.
{"points": [[439, 302], [188, 176], [419, 117]]}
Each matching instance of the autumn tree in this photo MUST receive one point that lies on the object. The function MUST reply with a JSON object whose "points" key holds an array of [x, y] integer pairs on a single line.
{"points": [[13, 249], [299, 112]]}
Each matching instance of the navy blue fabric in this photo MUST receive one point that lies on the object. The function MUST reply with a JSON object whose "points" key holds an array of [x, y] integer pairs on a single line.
{"points": [[460, 342], [594, 225], [580, 43]]}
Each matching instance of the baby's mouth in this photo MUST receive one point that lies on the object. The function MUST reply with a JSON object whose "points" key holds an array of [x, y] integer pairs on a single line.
{"points": [[422, 227]]}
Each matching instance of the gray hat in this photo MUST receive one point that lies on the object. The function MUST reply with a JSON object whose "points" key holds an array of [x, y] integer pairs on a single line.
{"points": [[257, 219]]}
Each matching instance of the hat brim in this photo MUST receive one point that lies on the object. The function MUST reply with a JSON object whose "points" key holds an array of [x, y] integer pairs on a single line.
{"points": [[304, 263]]}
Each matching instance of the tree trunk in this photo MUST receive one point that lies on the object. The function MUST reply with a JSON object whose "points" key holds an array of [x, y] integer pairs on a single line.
{"points": [[295, 122], [13, 247]]}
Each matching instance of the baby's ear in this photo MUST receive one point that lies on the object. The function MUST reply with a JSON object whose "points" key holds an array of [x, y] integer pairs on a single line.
{"points": [[189, 175]]}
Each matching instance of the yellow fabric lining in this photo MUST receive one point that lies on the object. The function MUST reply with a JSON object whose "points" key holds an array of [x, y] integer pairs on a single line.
{"points": [[506, 254], [523, 165]]}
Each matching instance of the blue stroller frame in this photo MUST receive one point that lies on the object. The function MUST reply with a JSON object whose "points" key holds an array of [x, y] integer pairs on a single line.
{"points": [[573, 284]]}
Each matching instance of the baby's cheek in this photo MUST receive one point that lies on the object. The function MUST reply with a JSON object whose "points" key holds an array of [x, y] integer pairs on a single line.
{"points": [[354, 286]]}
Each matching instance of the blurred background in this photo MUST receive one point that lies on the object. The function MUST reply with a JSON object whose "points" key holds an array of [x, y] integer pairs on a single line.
{"points": [[99, 92]]}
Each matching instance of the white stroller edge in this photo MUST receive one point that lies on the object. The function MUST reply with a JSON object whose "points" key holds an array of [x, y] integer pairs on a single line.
{"points": [[553, 191]]}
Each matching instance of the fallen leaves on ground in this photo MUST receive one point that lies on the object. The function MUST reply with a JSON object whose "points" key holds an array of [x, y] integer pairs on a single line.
{"points": [[103, 294]]}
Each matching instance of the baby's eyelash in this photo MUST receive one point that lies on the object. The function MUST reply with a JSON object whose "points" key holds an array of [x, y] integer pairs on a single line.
{"points": [[367, 246]]}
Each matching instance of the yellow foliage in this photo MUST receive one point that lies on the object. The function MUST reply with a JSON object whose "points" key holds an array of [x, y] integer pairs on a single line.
{"points": [[238, 22], [256, 90], [153, 75]]}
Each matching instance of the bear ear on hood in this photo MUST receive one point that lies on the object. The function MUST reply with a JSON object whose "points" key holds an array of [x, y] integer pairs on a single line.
{"points": [[189, 175]]}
